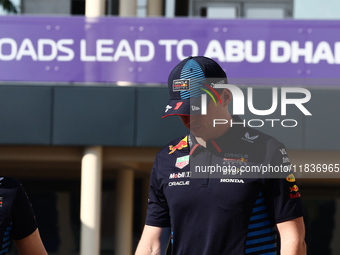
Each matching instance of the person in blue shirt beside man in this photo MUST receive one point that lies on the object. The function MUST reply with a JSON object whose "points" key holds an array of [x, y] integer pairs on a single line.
{"points": [[17, 220]]}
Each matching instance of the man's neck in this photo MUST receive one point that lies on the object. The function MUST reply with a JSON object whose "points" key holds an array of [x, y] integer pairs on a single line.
{"points": [[223, 129], [201, 141]]}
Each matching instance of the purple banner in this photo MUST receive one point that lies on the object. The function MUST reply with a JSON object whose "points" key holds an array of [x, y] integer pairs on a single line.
{"points": [[76, 49]]}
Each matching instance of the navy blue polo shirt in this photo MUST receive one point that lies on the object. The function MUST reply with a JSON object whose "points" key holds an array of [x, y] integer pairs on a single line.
{"points": [[223, 213], [17, 219]]}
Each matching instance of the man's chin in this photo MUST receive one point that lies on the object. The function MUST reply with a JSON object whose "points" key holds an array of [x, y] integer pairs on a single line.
{"points": [[196, 129], [199, 134]]}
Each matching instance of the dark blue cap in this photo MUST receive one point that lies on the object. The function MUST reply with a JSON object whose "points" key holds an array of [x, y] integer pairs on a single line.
{"points": [[185, 81]]}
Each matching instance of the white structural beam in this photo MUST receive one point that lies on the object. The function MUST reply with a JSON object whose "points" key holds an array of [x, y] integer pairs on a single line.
{"points": [[91, 174], [90, 205], [155, 8], [127, 7], [124, 213], [94, 8]]}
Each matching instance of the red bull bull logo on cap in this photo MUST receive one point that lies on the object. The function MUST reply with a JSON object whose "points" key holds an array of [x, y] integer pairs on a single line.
{"points": [[182, 144]]}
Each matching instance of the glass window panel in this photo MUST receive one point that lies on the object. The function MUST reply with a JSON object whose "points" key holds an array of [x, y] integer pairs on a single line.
{"points": [[141, 12], [221, 12], [265, 13]]}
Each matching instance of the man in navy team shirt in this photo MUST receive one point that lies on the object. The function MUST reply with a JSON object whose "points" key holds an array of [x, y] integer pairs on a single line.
{"points": [[17, 220], [224, 213]]}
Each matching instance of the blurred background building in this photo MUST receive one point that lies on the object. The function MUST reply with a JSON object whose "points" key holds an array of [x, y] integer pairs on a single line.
{"points": [[49, 130]]}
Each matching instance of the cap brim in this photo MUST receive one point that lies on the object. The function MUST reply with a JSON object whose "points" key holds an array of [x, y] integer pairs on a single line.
{"points": [[177, 107], [183, 107]]}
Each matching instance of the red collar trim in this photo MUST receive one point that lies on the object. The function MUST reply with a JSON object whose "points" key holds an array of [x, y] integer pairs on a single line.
{"points": [[193, 149], [216, 146]]}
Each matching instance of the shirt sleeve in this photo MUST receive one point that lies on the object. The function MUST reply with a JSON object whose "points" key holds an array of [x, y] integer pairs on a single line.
{"points": [[158, 211], [283, 194], [24, 222]]}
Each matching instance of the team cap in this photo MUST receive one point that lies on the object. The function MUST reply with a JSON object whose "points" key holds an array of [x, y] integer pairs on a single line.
{"points": [[185, 81]]}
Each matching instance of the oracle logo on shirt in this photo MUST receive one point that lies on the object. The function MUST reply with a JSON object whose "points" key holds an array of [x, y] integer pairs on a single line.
{"points": [[180, 183]]}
